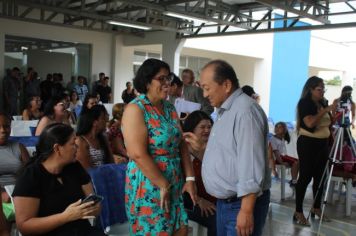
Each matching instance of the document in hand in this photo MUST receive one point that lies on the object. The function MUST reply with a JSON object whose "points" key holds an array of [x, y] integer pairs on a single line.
{"points": [[183, 106]]}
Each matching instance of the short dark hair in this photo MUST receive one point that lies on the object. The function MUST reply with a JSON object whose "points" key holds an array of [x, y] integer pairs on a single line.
{"points": [[194, 119], [176, 81], [146, 72], [187, 70], [223, 71]]}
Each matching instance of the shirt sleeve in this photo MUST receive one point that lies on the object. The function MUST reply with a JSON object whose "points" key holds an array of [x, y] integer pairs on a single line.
{"points": [[306, 108], [28, 182], [250, 133]]}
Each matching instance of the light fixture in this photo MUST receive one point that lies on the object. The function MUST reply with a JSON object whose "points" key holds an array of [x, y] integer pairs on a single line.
{"points": [[183, 16], [113, 22]]}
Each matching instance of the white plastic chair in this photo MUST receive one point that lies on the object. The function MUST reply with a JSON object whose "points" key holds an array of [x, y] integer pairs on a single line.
{"points": [[197, 229], [348, 200]]}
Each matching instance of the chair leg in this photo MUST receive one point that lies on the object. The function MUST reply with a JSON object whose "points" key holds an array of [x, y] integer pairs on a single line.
{"points": [[348, 197], [283, 182]]}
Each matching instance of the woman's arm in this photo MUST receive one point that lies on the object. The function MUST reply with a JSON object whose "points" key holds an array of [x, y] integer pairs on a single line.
{"points": [[41, 125], [118, 146], [83, 153], [24, 154], [135, 136], [3, 224], [26, 209], [312, 120], [353, 114], [25, 115]]}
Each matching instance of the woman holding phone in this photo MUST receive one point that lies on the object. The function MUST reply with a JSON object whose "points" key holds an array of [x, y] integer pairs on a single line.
{"points": [[48, 193]]}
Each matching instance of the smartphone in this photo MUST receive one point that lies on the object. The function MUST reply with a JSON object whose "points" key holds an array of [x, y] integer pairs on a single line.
{"points": [[93, 197], [188, 203]]}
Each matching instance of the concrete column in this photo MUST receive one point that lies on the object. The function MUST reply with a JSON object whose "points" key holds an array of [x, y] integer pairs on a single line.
{"points": [[2, 68], [171, 53]]}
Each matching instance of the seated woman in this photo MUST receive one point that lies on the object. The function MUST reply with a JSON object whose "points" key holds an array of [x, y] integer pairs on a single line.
{"points": [[90, 100], [13, 156], [115, 134], [53, 113], [32, 111], [279, 151], [199, 124], [93, 146], [75, 104], [48, 193]]}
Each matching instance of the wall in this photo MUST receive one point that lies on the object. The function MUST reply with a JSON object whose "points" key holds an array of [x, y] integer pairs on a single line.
{"points": [[102, 43], [11, 62], [289, 72], [51, 62]]}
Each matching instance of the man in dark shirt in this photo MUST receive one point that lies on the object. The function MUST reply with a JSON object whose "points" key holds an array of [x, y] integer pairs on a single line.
{"points": [[104, 90], [129, 93], [11, 87]]}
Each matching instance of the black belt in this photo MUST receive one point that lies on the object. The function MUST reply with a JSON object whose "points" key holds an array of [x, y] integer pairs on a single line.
{"points": [[231, 199]]}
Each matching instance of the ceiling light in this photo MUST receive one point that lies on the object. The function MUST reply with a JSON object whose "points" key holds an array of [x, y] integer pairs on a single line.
{"points": [[179, 15], [112, 22]]}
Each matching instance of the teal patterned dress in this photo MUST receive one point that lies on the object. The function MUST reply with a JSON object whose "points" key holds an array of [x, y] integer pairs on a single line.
{"points": [[142, 198]]}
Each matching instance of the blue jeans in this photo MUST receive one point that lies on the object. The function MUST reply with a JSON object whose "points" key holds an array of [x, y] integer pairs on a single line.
{"points": [[227, 214]]}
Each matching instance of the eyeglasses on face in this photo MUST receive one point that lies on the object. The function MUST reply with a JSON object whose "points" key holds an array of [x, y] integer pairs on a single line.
{"points": [[320, 89], [164, 78]]}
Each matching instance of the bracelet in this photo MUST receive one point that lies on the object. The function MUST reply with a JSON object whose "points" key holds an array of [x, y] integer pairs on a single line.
{"points": [[189, 178]]}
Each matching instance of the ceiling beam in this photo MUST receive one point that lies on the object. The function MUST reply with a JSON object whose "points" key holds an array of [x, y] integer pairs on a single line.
{"points": [[288, 8]]}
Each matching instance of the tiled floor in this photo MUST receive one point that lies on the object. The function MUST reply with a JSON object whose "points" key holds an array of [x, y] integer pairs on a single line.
{"points": [[279, 221]]}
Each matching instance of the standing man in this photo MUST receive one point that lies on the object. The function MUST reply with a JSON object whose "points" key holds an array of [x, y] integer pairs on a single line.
{"points": [[104, 90], [193, 93], [81, 89], [235, 165], [11, 88]]}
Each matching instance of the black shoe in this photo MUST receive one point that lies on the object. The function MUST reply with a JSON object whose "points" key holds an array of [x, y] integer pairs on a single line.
{"points": [[292, 184]]}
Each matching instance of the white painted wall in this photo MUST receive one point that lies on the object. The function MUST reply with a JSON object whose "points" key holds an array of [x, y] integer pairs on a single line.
{"points": [[51, 62], [101, 43]]}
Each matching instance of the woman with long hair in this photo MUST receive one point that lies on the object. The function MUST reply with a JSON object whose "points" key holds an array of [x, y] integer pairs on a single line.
{"points": [[90, 100], [32, 111], [313, 121], [93, 146], [49, 191], [54, 113], [115, 134]]}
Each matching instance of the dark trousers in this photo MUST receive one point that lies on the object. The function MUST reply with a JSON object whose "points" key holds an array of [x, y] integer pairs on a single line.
{"points": [[313, 156], [208, 222]]}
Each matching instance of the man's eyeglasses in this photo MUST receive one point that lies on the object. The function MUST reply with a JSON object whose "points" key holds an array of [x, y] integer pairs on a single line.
{"points": [[164, 78]]}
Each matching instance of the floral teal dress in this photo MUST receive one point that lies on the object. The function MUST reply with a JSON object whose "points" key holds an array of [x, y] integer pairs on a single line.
{"points": [[142, 198]]}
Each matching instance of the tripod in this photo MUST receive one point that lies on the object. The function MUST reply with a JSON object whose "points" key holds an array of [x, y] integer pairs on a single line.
{"points": [[335, 157]]}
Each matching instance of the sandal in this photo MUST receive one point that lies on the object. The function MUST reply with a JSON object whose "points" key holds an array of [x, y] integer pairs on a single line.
{"points": [[299, 219], [317, 211]]}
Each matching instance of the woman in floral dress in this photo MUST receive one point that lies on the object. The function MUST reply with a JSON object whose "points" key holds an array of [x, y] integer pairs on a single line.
{"points": [[158, 157]]}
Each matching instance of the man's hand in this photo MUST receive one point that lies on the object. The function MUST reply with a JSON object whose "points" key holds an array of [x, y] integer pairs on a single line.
{"points": [[244, 223]]}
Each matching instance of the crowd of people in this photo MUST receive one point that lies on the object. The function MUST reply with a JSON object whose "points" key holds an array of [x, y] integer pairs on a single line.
{"points": [[215, 171]]}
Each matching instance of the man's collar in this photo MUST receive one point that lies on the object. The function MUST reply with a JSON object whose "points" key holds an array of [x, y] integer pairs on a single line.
{"points": [[228, 102]]}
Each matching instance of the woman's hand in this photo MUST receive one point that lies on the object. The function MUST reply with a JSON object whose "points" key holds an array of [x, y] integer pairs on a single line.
{"points": [[79, 210], [165, 198], [191, 188], [194, 142], [206, 208]]}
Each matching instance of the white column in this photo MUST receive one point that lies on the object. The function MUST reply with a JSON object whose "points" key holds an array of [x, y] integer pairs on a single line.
{"points": [[171, 53], [2, 67]]}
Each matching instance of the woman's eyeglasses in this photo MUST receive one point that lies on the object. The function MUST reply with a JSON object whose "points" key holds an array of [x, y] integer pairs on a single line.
{"points": [[323, 90], [164, 78]]}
